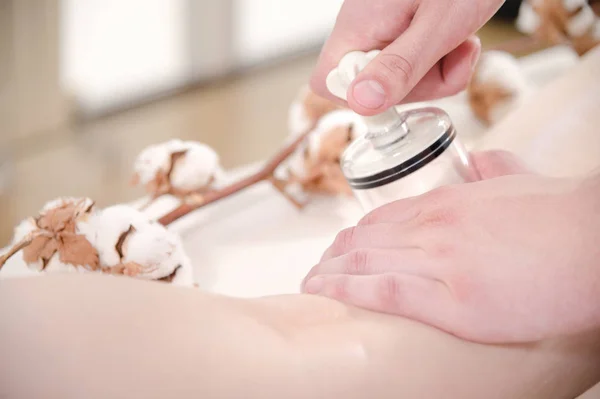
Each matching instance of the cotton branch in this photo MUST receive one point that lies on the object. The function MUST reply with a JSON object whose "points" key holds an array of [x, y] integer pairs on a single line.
{"points": [[19, 246], [265, 174]]}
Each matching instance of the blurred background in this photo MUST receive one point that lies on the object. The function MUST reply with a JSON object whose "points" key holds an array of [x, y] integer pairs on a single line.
{"points": [[86, 84]]}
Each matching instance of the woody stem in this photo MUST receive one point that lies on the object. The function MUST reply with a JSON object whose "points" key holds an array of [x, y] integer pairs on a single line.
{"points": [[280, 186], [19, 246], [264, 174]]}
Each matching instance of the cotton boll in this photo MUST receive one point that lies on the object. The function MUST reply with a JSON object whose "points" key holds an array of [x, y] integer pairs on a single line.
{"points": [[501, 68], [69, 237], [123, 236], [152, 160], [104, 229], [498, 86], [296, 163], [560, 22], [195, 169], [581, 23], [314, 168], [155, 249], [54, 238], [528, 20], [176, 167], [310, 110]]}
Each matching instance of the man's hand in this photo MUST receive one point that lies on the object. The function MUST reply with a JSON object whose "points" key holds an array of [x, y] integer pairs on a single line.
{"points": [[426, 49], [510, 259]]}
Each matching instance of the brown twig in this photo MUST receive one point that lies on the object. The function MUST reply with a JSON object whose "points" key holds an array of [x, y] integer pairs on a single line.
{"points": [[521, 45], [281, 187], [19, 246], [262, 175]]}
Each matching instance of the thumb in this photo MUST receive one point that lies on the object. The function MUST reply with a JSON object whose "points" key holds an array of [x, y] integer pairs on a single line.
{"points": [[402, 65]]}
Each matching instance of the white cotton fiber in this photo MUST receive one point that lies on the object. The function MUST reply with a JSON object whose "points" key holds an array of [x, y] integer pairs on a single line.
{"points": [[196, 168]]}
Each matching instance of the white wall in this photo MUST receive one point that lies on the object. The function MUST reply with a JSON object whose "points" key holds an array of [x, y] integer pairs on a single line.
{"points": [[267, 28], [118, 51], [114, 51]]}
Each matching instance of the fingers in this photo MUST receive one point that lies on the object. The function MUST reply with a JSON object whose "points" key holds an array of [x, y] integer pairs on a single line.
{"points": [[421, 299], [450, 75], [492, 164], [382, 236], [359, 27], [370, 261], [362, 261], [393, 74]]}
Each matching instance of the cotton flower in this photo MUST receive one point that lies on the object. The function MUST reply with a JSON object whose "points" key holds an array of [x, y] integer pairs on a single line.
{"points": [[128, 243], [306, 110], [498, 86], [315, 165], [561, 21], [56, 237], [177, 167], [71, 235]]}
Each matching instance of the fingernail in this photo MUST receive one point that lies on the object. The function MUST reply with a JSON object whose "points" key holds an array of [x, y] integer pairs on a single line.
{"points": [[369, 94], [314, 285]]}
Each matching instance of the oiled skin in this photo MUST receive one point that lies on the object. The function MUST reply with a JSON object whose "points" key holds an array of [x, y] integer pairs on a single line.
{"points": [[77, 336]]}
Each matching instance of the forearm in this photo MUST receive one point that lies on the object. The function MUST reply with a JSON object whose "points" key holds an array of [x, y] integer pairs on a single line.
{"points": [[85, 336]]}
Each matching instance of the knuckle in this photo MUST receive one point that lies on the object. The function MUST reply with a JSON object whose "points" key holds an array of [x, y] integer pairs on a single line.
{"points": [[358, 262], [377, 215], [394, 68], [388, 290], [339, 289], [344, 241]]}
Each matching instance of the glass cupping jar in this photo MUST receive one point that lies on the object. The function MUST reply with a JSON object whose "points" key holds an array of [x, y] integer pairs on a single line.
{"points": [[417, 152]]}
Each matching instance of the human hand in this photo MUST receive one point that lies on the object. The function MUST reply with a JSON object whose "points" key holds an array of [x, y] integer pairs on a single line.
{"points": [[426, 49], [510, 259]]}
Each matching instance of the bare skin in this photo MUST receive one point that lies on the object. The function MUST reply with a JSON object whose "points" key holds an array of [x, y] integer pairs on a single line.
{"points": [[428, 50], [97, 337], [514, 258]]}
